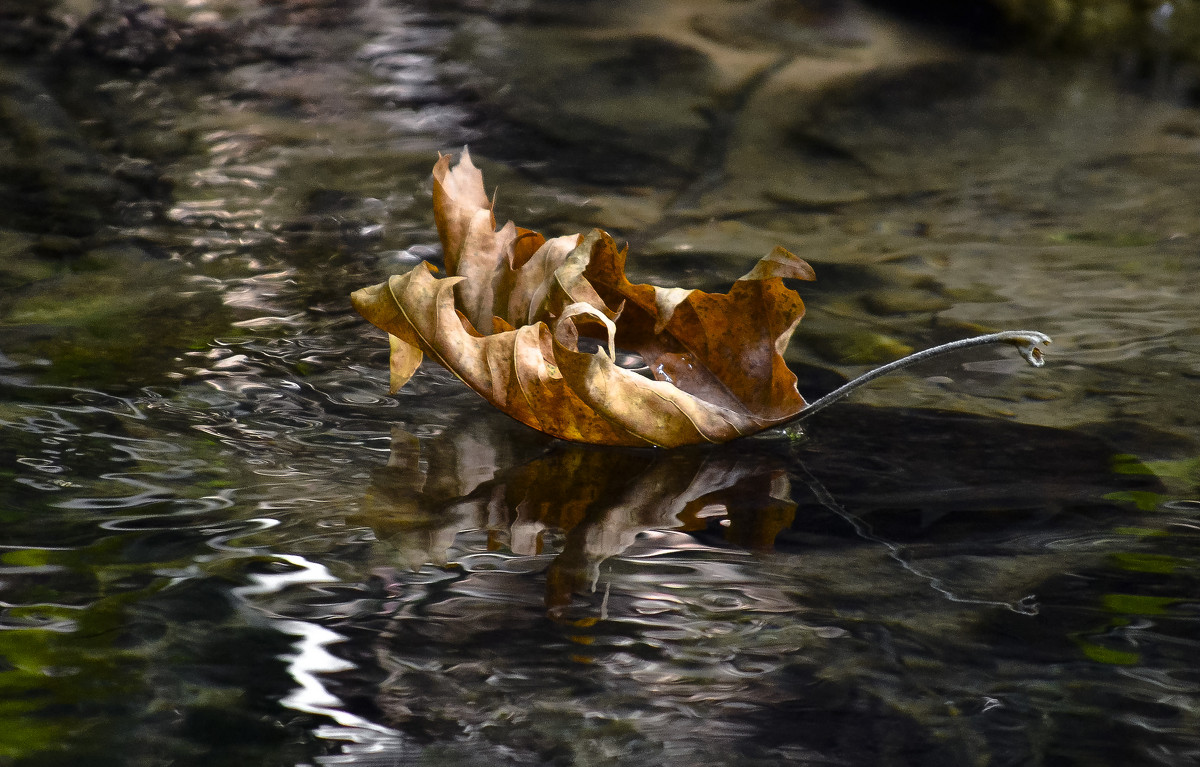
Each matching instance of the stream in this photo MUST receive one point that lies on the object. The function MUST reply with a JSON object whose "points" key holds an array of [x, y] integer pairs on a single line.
{"points": [[223, 542]]}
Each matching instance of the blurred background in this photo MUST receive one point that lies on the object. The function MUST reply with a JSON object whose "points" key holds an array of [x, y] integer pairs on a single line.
{"points": [[222, 542]]}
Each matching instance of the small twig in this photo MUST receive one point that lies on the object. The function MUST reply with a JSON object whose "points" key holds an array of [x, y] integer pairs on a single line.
{"points": [[1026, 341]]}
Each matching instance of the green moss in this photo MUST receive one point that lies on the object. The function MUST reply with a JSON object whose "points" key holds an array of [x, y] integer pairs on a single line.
{"points": [[1136, 604], [1141, 532], [112, 320], [1181, 476], [1148, 563], [1108, 656], [1144, 500], [26, 558]]}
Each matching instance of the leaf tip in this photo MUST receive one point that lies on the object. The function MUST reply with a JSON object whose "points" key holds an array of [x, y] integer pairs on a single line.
{"points": [[1029, 344], [781, 262]]}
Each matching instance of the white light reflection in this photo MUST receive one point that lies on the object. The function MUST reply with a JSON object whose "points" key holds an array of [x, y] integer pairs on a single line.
{"points": [[311, 696], [311, 659], [272, 583]]}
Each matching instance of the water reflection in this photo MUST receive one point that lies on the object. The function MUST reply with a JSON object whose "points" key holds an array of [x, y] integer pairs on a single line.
{"points": [[470, 495], [779, 591], [591, 503], [585, 601]]}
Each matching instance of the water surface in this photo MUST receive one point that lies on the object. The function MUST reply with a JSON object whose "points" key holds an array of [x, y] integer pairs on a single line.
{"points": [[223, 542]]}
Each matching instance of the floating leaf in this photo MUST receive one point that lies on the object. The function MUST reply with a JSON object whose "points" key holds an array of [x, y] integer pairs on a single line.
{"points": [[508, 317]]}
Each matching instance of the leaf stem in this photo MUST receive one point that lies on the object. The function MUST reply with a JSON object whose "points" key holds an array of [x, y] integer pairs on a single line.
{"points": [[1026, 341]]}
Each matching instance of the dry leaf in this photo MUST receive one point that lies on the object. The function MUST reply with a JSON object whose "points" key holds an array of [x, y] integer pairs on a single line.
{"points": [[508, 319]]}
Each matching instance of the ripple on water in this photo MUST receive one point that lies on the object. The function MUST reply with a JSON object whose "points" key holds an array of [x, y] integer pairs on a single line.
{"points": [[683, 648]]}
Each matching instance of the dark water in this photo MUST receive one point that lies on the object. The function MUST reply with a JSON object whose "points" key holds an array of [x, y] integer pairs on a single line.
{"points": [[223, 543]]}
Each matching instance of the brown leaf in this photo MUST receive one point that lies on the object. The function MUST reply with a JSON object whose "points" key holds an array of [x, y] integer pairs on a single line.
{"points": [[780, 263], [522, 303]]}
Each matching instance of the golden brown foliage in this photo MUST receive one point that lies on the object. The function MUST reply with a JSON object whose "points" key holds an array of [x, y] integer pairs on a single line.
{"points": [[508, 319]]}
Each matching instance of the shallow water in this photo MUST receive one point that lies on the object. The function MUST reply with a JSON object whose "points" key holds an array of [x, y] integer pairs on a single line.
{"points": [[223, 542]]}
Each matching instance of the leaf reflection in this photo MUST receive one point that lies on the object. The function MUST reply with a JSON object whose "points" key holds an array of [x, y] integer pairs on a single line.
{"points": [[597, 500]]}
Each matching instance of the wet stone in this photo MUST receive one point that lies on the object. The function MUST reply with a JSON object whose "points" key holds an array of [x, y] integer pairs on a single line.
{"points": [[887, 302], [641, 96], [805, 26], [860, 347], [729, 238]]}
